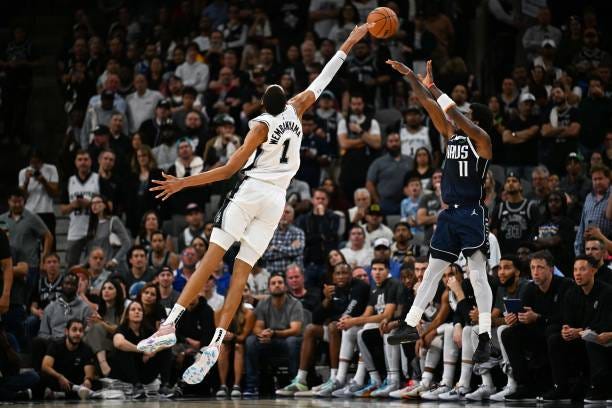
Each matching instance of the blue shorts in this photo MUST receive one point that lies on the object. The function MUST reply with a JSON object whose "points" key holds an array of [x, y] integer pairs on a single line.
{"points": [[460, 229]]}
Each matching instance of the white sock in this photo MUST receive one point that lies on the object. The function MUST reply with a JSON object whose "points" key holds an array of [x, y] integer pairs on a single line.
{"points": [[484, 323], [301, 376], [218, 337], [342, 369], [448, 374], [414, 316], [466, 374], [512, 382], [427, 378], [175, 315], [394, 377], [375, 377], [487, 380], [333, 372], [477, 264], [361, 372]]}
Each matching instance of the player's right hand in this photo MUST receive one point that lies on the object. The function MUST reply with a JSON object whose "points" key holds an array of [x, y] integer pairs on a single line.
{"points": [[167, 187], [428, 79], [399, 67], [359, 32]]}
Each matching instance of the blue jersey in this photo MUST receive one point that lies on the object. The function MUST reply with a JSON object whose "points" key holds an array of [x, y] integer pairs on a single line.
{"points": [[464, 173]]}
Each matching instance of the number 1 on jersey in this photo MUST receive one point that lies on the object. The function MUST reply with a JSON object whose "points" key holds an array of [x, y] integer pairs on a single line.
{"points": [[284, 159], [463, 168]]}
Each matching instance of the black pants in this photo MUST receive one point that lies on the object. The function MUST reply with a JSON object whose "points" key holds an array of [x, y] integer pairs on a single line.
{"points": [[374, 342], [567, 358], [39, 349], [49, 220], [525, 345], [130, 367], [600, 360]]}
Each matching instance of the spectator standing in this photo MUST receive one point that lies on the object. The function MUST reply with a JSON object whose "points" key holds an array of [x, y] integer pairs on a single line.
{"points": [[287, 245], [101, 114], [534, 35], [594, 210], [520, 137], [141, 103], [39, 181], [322, 14], [6, 265], [315, 152], [595, 111], [385, 178], [192, 72]]}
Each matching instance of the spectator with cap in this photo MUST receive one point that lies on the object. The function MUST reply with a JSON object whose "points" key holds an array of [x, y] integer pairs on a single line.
{"points": [[357, 252], [286, 246], [382, 250], [150, 129], [520, 137], [141, 103], [327, 118], [575, 183], [534, 35], [594, 209], [546, 59], [385, 179], [39, 182], [374, 227], [560, 132], [100, 142], [101, 115], [192, 72], [167, 294], [194, 215], [27, 232], [220, 148]]}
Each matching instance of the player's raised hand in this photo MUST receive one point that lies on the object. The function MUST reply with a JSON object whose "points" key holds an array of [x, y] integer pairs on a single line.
{"points": [[399, 67], [167, 187], [359, 32], [428, 79]]}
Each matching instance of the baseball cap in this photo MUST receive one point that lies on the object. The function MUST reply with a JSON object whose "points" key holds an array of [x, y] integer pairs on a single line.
{"points": [[101, 130], [512, 174], [374, 209], [574, 156], [223, 119], [549, 42], [527, 97], [327, 94], [191, 207], [164, 103], [382, 242]]}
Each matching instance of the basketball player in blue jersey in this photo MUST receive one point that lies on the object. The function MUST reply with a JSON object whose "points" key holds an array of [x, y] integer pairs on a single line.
{"points": [[462, 226], [269, 158]]}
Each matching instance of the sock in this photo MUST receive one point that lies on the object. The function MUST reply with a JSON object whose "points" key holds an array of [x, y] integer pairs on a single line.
{"points": [[484, 323], [342, 369], [218, 337], [361, 372], [414, 316], [175, 315], [301, 376], [512, 382], [427, 378], [333, 372], [375, 377], [394, 377], [466, 374], [448, 374], [487, 380]]}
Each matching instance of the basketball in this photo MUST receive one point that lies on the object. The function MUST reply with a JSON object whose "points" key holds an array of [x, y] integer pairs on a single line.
{"points": [[385, 22]]}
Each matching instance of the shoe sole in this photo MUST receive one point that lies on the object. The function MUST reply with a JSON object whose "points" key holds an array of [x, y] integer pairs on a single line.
{"points": [[198, 370], [163, 342], [528, 400]]}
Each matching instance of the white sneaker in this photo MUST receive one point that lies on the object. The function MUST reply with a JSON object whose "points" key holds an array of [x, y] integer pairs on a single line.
{"points": [[348, 390], [326, 389], [483, 392], [385, 389], [198, 370], [434, 393], [415, 391], [399, 394], [501, 395], [163, 338], [291, 389], [83, 392], [456, 394]]}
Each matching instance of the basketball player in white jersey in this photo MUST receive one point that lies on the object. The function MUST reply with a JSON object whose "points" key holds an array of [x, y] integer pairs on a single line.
{"points": [[269, 158]]}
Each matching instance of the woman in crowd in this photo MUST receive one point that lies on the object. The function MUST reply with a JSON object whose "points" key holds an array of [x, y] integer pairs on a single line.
{"points": [[149, 224], [144, 169], [154, 312], [347, 19], [337, 200], [103, 323], [423, 167], [107, 232], [335, 257]]}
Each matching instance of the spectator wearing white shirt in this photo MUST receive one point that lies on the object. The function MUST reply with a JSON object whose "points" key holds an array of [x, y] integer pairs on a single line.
{"points": [[192, 72], [535, 35], [214, 299], [374, 228], [357, 252], [141, 103], [39, 182]]}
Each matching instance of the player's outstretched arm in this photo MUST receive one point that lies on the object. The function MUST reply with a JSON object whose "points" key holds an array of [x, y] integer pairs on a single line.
{"points": [[425, 98], [302, 101], [171, 185]]}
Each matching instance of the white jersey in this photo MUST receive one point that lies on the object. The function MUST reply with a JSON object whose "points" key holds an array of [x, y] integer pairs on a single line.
{"points": [[79, 219], [277, 159], [413, 141]]}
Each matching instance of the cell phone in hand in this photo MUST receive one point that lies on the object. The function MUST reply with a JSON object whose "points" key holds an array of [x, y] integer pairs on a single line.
{"points": [[514, 306]]}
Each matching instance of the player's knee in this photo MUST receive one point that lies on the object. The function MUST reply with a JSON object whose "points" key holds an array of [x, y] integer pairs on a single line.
{"points": [[222, 238], [247, 254]]}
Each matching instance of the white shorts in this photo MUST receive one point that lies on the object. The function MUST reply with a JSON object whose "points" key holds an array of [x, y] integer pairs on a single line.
{"points": [[250, 213]]}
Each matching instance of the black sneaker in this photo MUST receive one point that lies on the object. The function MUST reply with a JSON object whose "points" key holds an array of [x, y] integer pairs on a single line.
{"points": [[522, 394], [166, 391], [23, 395], [251, 392], [557, 394], [483, 351], [596, 396], [403, 334], [138, 391]]}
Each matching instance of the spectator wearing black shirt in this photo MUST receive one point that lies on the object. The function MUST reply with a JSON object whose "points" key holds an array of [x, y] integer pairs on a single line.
{"points": [[14, 385], [596, 249], [595, 111], [575, 183], [150, 129], [528, 330], [513, 219], [315, 152], [139, 270], [363, 73], [309, 297], [154, 312], [586, 305], [520, 137], [47, 289], [6, 263], [320, 228], [69, 362], [560, 132], [253, 92]]}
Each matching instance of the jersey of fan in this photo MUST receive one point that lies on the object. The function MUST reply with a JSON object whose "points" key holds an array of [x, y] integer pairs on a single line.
{"points": [[464, 173], [277, 159]]}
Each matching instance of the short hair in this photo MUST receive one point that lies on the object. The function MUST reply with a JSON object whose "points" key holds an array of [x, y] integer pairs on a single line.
{"points": [[190, 90], [421, 259], [72, 321], [320, 190], [512, 258], [482, 114], [136, 248], [359, 227], [274, 275], [294, 266], [544, 255], [413, 178], [380, 261], [401, 224], [543, 170], [307, 116], [17, 192], [602, 245], [52, 255], [158, 232], [274, 100], [362, 190], [590, 260], [82, 152], [600, 168]]}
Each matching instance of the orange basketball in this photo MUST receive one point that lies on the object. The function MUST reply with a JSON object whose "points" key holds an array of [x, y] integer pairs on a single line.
{"points": [[385, 22]]}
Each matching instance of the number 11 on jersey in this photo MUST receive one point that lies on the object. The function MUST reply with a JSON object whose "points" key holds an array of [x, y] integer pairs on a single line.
{"points": [[463, 168]]}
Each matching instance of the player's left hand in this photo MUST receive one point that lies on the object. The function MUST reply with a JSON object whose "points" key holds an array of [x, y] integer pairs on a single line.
{"points": [[399, 67], [359, 32], [167, 187], [428, 79]]}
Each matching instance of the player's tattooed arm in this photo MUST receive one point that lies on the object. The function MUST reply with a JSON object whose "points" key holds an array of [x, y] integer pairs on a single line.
{"points": [[425, 98]]}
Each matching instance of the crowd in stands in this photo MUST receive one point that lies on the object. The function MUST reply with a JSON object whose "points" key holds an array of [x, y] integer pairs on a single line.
{"points": [[171, 88]]}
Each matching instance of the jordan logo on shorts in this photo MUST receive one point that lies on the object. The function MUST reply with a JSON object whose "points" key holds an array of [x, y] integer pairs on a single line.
{"points": [[474, 212]]}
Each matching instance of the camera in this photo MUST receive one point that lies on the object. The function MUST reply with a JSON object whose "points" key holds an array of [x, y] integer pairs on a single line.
{"points": [[36, 173]]}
